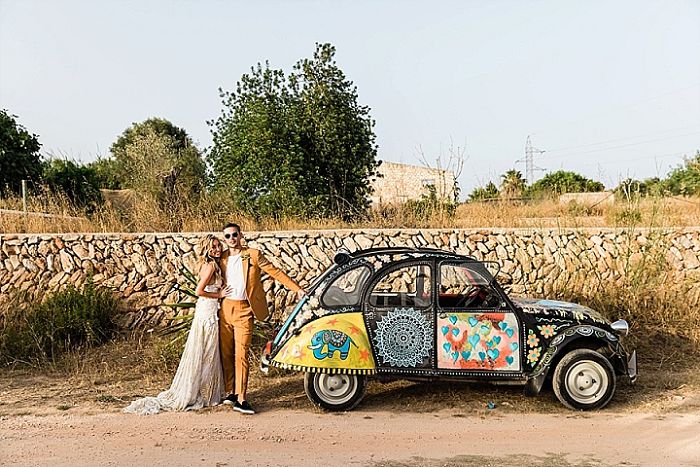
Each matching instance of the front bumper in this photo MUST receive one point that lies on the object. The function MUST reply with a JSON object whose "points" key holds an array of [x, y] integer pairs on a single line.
{"points": [[265, 358], [632, 367]]}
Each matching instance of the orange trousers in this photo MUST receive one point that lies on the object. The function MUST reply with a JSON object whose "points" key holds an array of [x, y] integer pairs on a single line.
{"points": [[235, 335]]}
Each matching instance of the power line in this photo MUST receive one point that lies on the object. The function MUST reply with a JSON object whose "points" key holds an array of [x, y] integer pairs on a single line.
{"points": [[609, 148], [625, 138]]}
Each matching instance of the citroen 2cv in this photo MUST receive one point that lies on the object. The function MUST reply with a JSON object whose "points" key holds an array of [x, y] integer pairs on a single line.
{"points": [[426, 314]]}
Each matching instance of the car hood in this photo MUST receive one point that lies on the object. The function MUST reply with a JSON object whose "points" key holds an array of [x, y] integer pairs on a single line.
{"points": [[555, 309]]}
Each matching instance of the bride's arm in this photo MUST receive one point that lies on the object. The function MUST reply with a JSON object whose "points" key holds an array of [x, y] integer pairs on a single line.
{"points": [[205, 275]]}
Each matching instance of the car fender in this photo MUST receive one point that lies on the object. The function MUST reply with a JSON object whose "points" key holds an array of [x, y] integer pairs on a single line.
{"points": [[560, 343], [334, 344]]}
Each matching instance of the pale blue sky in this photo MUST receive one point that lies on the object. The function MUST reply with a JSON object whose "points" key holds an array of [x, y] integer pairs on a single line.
{"points": [[609, 89]]}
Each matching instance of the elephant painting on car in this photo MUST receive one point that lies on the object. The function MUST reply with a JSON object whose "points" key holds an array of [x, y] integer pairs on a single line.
{"points": [[325, 343]]}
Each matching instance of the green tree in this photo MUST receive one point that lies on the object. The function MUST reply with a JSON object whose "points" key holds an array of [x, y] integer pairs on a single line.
{"points": [[490, 191], [337, 134], [559, 182], [630, 188], [512, 184], [78, 182], [107, 173], [685, 179], [296, 145], [256, 155], [157, 158], [19, 154]]}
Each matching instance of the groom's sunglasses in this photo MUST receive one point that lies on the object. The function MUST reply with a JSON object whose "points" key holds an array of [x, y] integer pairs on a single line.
{"points": [[231, 235]]}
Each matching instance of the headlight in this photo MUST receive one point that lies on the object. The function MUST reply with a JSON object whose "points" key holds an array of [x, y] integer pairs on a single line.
{"points": [[621, 327]]}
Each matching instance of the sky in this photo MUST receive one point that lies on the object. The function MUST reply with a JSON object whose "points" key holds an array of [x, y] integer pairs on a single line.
{"points": [[608, 89]]}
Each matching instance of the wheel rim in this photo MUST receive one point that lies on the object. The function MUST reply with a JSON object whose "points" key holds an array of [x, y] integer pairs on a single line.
{"points": [[335, 389], [587, 382]]}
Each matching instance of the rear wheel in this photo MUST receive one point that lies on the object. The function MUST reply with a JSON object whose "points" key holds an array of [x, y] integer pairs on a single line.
{"points": [[335, 392], [584, 380]]}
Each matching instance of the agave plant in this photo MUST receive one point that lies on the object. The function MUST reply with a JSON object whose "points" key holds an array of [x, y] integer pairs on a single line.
{"points": [[179, 326]]}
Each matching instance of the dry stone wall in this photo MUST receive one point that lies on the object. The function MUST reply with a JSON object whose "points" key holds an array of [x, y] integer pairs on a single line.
{"points": [[143, 269]]}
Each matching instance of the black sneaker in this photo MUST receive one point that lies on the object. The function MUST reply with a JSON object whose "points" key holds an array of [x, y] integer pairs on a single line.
{"points": [[230, 399], [243, 407]]}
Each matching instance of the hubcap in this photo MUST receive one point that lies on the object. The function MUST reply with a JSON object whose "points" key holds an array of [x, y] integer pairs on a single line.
{"points": [[335, 389], [587, 382]]}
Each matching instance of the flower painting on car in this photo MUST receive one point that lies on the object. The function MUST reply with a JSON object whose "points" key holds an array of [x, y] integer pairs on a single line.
{"points": [[478, 341]]}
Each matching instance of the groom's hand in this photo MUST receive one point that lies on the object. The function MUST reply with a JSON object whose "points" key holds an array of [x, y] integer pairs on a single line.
{"points": [[301, 293], [225, 291]]}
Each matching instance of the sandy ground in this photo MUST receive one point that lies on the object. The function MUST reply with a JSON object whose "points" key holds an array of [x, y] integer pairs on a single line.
{"points": [[72, 416], [221, 437]]}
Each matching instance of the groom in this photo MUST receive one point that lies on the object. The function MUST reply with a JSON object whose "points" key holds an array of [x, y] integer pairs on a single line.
{"points": [[242, 267]]}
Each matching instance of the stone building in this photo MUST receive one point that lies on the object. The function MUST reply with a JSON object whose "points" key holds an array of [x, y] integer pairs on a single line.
{"points": [[401, 182]]}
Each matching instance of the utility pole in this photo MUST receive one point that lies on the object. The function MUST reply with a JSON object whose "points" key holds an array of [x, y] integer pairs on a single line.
{"points": [[529, 160]]}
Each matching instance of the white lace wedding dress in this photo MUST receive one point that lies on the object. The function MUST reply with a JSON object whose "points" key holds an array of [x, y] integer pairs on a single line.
{"points": [[199, 379]]}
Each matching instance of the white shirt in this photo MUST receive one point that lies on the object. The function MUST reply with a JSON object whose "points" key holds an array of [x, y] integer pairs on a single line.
{"points": [[235, 279]]}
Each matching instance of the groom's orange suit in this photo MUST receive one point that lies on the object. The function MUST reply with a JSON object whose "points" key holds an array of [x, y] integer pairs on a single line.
{"points": [[236, 316]]}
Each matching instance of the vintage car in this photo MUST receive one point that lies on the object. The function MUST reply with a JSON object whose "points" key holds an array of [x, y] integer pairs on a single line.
{"points": [[426, 314]]}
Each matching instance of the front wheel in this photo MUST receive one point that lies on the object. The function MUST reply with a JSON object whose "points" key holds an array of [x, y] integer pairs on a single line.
{"points": [[584, 380], [335, 392]]}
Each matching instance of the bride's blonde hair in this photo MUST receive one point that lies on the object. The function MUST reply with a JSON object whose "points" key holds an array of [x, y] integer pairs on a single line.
{"points": [[203, 249]]}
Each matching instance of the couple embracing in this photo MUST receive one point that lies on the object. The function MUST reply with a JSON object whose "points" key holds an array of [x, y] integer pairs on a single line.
{"points": [[214, 365]]}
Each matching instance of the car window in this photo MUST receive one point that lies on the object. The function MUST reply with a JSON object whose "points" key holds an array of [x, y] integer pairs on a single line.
{"points": [[463, 287], [408, 286], [345, 290]]}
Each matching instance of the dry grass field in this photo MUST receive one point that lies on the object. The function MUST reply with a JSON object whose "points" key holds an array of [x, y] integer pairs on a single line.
{"points": [[129, 212]]}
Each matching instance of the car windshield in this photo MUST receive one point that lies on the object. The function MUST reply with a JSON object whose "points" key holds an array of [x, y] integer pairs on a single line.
{"points": [[346, 289]]}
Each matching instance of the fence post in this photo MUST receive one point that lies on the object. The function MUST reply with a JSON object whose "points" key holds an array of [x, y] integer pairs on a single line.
{"points": [[24, 195]]}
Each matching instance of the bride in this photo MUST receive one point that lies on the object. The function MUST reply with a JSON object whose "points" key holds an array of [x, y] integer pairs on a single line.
{"points": [[199, 380]]}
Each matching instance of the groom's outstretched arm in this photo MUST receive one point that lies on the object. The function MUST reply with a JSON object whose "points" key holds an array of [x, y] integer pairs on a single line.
{"points": [[277, 274]]}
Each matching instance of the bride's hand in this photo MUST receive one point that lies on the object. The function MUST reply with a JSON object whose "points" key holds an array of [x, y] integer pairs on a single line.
{"points": [[225, 291]]}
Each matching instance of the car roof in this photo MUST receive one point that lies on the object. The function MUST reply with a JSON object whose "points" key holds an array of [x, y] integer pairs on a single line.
{"points": [[400, 250]]}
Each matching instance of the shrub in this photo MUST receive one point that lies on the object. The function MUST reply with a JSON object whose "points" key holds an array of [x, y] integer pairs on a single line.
{"points": [[37, 333], [429, 206], [80, 183]]}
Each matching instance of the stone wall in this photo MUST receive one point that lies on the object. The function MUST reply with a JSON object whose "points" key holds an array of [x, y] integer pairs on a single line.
{"points": [[142, 268]]}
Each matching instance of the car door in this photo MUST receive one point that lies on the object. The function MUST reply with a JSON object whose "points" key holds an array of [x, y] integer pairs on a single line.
{"points": [[476, 329], [399, 317]]}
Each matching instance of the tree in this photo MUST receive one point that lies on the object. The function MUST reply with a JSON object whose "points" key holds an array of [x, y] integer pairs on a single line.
{"points": [[559, 182], [157, 158], [685, 179], [490, 191], [256, 155], [337, 133], [80, 183], [107, 173], [630, 188], [296, 145], [19, 154], [512, 184]]}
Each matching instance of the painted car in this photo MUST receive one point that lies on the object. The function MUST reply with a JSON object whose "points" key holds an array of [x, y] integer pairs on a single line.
{"points": [[426, 314]]}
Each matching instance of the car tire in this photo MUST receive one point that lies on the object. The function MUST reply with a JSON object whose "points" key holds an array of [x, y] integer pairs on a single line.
{"points": [[336, 392], [584, 380]]}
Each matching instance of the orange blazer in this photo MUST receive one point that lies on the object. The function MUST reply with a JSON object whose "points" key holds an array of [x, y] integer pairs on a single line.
{"points": [[253, 263]]}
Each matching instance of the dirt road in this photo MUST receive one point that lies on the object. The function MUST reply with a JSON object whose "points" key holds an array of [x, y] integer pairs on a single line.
{"points": [[291, 437]]}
